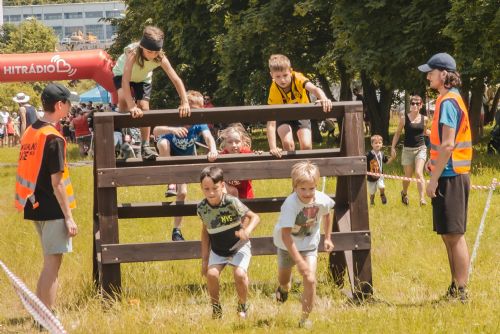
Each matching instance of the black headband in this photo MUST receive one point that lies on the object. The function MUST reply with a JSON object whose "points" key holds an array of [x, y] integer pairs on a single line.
{"points": [[150, 44]]}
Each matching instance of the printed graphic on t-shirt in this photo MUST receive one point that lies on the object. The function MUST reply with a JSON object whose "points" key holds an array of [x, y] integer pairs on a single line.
{"points": [[305, 221], [374, 166], [183, 143]]}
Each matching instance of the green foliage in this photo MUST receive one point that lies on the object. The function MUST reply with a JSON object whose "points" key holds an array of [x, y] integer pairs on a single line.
{"points": [[9, 90], [474, 27], [31, 36]]}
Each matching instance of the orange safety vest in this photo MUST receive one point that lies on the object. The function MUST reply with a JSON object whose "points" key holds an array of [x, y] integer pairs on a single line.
{"points": [[462, 153], [30, 161]]}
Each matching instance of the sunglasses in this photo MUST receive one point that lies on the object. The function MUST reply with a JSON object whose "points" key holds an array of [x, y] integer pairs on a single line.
{"points": [[415, 103]]}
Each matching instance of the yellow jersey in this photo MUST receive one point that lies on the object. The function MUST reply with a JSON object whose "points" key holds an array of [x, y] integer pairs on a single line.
{"points": [[297, 93]]}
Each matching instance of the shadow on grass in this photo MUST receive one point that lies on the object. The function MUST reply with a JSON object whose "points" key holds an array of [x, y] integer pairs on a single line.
{"points": [[17, 321]]}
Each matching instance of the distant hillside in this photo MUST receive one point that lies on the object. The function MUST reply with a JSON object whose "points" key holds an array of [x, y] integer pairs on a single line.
{"points": [[44, 2]]}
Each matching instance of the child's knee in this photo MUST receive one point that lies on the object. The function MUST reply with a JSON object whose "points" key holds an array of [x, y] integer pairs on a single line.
{"points": [[310, 280], [213, 274], [163, 147], [240, 275]]}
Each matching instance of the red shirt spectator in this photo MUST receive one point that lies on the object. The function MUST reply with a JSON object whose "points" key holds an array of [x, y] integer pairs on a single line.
{"points": [[81, 125]]}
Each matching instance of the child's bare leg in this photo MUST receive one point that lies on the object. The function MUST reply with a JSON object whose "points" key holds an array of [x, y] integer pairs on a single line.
{"points": [[241, 282], [309, 287], [213, 276], [181, 197], [163, 147], [46, 288], [285, 278], [286, 136], [305, 138], [145, 131]]}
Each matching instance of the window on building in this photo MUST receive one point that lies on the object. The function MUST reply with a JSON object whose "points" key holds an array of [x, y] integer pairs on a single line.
{"points": [[113, 13], [73, 15], [95, 29], [6, 18], [52, 16], [58, 31], [36, 16], [93, 15], [15, 18], [110, 31], [69, 31]]}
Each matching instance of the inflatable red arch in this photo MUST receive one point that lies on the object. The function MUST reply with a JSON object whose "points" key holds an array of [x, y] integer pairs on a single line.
{"points": [[69, 65]]}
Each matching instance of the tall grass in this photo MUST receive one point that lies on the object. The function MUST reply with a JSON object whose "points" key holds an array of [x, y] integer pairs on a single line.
{"points": [[410, 270]]}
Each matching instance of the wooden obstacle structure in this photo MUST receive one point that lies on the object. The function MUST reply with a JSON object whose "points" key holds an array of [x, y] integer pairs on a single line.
{"points": [[351, 231]]}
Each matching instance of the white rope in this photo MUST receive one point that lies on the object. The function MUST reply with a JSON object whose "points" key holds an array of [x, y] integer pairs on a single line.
{"points": [[404, 178], [481, 227], [34, 305]]}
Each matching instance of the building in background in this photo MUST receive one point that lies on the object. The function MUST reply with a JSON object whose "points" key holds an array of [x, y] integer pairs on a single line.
{"points": [[77, 25]]}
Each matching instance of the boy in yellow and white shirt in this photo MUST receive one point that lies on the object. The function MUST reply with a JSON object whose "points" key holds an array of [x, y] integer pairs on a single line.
{"points": [[290, 87]]}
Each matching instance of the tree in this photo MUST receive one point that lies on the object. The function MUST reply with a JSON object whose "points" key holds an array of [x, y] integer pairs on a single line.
{"points": [[474, 27], [31, 36], [384, 42]]}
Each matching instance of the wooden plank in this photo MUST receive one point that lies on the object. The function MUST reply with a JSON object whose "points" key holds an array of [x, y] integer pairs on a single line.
{"points": [[110, 276], [188, 208], [182, 250], [180, 160], [247, 170], [250, 114]]}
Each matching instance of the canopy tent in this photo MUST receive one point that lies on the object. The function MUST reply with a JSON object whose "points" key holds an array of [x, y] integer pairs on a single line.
{"points": [[97, 95]]}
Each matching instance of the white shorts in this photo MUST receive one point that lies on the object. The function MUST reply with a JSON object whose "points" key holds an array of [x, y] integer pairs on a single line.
{"points": [[54, 236], [240, 259], [372, 186]]}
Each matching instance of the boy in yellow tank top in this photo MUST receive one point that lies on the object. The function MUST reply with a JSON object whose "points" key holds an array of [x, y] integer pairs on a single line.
{"points": [[290, 87]]}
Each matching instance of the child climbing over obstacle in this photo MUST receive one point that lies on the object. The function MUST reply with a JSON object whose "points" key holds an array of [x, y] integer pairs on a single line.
{"points": [[180, 141], [132, 78], [374, 161], [297, 235], [235, 139], [290, 87], [224, 239]]}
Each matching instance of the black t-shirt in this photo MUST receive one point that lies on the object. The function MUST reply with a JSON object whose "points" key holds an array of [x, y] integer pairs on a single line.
{"points": [[374, 164], [52, 162]]}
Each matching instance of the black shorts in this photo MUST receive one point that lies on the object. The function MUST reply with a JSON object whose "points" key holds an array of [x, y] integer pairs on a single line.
{"points": [[140, 90], [296, 124], [449, 207]]}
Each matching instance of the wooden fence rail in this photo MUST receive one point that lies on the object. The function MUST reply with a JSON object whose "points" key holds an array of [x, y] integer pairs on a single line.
{"points": [[351, 231]]}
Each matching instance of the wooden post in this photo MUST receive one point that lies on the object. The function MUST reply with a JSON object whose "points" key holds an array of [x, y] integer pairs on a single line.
{"points": [[110, 276], [358, 205]]}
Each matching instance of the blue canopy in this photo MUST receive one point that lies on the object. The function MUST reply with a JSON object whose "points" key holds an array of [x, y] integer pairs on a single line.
{"points": [[97, 95]]}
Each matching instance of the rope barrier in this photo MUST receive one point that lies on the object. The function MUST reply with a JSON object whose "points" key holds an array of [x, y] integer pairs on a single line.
{"points": [[404, 178], [34, 305], [481, 227]]}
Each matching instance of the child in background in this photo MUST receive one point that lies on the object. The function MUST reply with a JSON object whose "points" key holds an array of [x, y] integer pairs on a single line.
{"points": [[181, 141], [10, 132], [134, 70], [224, 239], [374, 161], [297, 234], [236, 140], [290, 87]]}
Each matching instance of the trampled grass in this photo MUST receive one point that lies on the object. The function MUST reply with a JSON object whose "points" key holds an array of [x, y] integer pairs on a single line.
{"points": [[410, 270]]}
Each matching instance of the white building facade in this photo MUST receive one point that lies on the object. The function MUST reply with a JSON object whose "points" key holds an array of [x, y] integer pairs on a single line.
{"points": [[70, 18]]}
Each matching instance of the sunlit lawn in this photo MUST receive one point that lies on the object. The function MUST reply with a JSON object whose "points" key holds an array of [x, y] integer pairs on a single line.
{"points": [[410, 270]]}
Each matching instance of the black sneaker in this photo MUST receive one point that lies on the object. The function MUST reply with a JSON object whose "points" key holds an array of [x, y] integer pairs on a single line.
{"points": [[281, 296], [404, 198], [452, 291], [372, 199], [148, 153], [177, 235], [242, 310], [216, 311], [383, 198], [462, 294]]}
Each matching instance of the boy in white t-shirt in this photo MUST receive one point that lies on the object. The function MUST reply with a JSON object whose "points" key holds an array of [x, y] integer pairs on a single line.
{"points": [[297, 234]]}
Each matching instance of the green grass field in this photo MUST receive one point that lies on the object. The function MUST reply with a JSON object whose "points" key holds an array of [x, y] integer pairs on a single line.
{"points": [[410, 270]]}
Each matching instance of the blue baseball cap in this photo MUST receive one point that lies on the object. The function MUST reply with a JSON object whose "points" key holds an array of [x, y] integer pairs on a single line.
{"points": [[440, 61]]}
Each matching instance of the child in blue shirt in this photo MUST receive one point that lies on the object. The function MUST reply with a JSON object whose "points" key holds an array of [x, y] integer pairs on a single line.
{"points": [[181, 141]]}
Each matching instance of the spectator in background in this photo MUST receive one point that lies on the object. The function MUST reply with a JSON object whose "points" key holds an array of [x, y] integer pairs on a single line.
{"points": [[82, 131], [27, 112], [207, 102], [4, 119]]}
